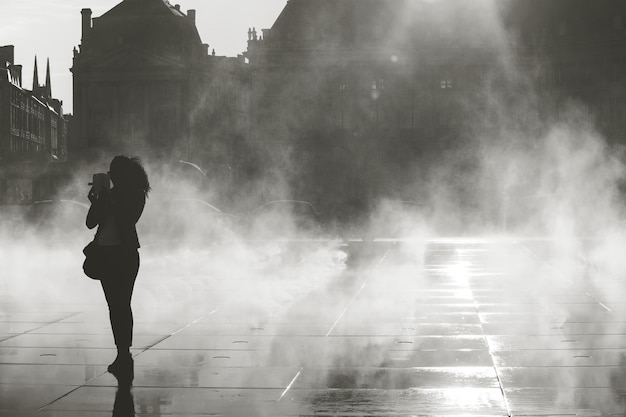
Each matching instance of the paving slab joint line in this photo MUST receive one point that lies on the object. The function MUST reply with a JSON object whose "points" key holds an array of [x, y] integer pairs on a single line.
{"points": [[40, 327], [587, 294], [345, 310], [495, 367], [597, 301], [71, 391], [177, 331], [144, 350], [290, 385]]}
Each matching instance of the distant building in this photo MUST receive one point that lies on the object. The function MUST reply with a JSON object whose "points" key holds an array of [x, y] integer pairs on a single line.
{"points": [[359, 64], [371, 64], [577, 51], [33, 131], [334, 82], [31, 121], [366, 95], [363, 93], [145, 83]]}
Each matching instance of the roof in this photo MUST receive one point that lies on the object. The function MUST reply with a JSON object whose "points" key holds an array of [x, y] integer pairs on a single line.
{"points": [[144, 24], [385, 22], [144, 7]]}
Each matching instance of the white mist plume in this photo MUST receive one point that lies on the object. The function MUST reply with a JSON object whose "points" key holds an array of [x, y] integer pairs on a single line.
{"points": [[553, 177]]}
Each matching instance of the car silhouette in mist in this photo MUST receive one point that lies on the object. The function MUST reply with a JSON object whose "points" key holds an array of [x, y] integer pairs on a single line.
{"points": [[396, 219], [56, 219], [185, 221], [12, 221], [283, 219]]}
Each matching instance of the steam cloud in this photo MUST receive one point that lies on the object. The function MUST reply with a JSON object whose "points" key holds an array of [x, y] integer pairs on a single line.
{"points": [[526, 168]]}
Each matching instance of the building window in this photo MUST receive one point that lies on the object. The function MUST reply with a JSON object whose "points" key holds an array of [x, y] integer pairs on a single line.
{"points": [[53, 137], [378, 84], [343, 86], [98, 126], [165, 122], [445, 84]]}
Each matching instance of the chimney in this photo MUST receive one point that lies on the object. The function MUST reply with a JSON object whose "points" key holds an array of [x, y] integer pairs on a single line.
{"points": [[191, 14], [86, 23], [7, 54], [177, 7], [18, 74]]}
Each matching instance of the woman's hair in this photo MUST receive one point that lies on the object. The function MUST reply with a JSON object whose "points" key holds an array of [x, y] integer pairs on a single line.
{"points": [[129, 173]]}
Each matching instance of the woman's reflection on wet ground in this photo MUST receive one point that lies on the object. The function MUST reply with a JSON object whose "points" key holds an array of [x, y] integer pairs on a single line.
{"points": [[124, 405]]}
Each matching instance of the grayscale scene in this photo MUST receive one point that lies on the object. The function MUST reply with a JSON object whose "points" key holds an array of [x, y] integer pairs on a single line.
{"points": [[281, 208]]}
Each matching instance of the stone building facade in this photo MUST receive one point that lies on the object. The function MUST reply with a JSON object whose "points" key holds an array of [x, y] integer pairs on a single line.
{"points": [[416, 83], [576, 52], [144, 83], [33, 133], [365, 92], [374, 97]]}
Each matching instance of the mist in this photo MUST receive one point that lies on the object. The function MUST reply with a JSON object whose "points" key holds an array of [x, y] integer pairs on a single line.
{"points": [[512, 166]]}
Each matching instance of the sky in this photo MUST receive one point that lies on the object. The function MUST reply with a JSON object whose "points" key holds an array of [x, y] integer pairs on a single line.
{"points": [[51, 29]]}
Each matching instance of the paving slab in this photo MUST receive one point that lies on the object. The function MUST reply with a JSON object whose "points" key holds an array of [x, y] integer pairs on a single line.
{"points": [[246, 342], [384, 402], [87, 341], [566, 402], [397, 379], [566, 357], [104, 328], [17, 398], [155, 358], [203, 376], [34, 317], [469, 327], [58, 356], [548, 329], [558, 342], [417, 316], [407, 329], [259, 329], [170, 401], [563, 377], [13, 327], [48, 374], [439, 358]]}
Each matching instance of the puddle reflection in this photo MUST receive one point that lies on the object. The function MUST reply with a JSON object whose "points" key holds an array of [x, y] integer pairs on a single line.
{"points": [[124, 405]]}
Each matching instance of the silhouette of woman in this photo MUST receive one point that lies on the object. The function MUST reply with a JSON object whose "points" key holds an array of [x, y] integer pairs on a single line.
{"points": [[116, 213]]}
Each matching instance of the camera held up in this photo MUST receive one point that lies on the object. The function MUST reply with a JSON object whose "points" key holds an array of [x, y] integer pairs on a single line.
{"points": [[100, 183]]}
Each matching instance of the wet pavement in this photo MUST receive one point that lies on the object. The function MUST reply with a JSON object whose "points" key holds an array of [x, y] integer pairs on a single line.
{"points": [[437, 328]]}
